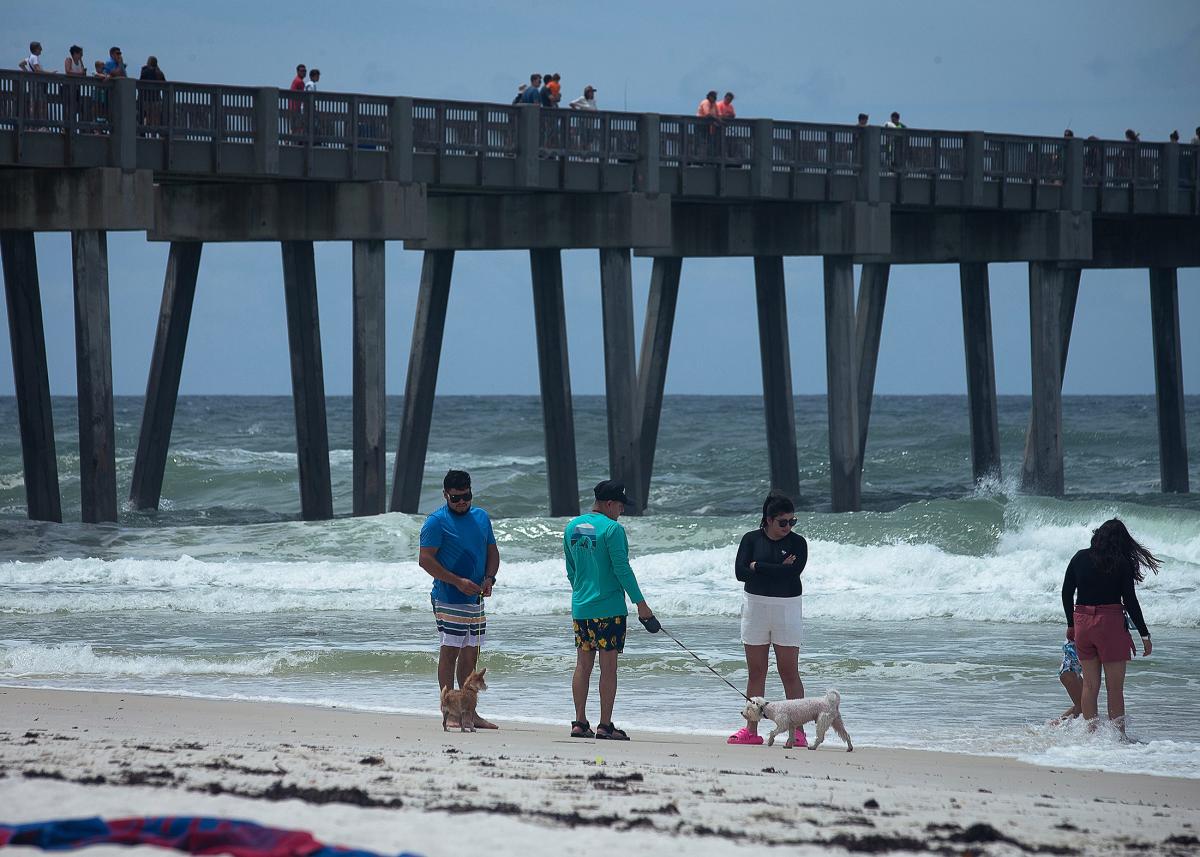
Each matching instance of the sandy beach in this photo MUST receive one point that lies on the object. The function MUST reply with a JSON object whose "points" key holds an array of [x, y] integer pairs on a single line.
{"points": [[393, 782]]}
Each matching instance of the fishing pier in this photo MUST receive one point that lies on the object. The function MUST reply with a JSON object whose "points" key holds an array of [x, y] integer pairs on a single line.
{"points": [[191, 164]]}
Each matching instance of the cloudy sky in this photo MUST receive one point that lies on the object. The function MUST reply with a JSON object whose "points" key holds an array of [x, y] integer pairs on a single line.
{"points": [[1017, 66]]}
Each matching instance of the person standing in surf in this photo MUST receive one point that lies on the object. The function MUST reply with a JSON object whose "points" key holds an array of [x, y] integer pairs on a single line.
{"points": [[769, 562], [458, 550], [1098, 587]]}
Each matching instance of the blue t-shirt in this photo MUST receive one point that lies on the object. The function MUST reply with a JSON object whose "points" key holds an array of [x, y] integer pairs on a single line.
{"points": [[462, 542], [532, 95], [112, 65]]}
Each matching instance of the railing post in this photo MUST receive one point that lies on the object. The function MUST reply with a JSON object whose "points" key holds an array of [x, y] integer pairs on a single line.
{"points": [[400, 140], [973, 171], [266, 130], [868, 174], [123, 110], [1168, 180], [761, 167], [649, 139], [1073, 175], [529, 118]]}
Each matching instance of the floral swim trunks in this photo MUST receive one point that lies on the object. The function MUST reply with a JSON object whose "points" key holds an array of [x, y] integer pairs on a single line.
{"points": [[600, 635], [1070, 661]]}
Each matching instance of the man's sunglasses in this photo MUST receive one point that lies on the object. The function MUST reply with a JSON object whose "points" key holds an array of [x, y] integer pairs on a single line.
{"points": [[786, 522], [458, 498]]}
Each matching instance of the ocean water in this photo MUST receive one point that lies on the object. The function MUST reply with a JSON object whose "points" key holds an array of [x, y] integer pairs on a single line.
{"points": [[935, 612]]}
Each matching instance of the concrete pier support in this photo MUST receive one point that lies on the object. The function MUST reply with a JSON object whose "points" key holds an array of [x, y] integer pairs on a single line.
{"points": [[981, 370], [620, 373], [425, 351], [1047, 284], [842, 379], [308, 380], [30, 378], [656, 349], [369, 367], [93, 362], [554, 373], [166, 367], [1068, 295], [775, 354], [1168, 380], [872, 295]]}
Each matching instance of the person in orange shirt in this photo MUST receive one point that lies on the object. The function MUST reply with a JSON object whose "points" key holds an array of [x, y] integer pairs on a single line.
{"points": [[555, 87], [708, 107], [725, 107]]}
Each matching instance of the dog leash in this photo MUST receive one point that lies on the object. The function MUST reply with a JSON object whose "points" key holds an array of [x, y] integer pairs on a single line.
{"points": [[652, 621]]}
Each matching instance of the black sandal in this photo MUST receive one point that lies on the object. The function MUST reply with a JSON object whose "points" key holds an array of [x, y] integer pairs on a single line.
{"points": [[609, 732], [581, 729]]}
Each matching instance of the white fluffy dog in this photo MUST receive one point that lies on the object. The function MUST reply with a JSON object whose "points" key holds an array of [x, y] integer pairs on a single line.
{"points": [[791, 714]]}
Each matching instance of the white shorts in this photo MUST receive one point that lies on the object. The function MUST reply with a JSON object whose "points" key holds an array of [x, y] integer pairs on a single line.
{"points": [[766, 619]]}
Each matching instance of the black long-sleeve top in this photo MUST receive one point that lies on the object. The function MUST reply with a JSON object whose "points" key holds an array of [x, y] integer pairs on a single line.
{"points": [[769, 575], [1096, 586]]}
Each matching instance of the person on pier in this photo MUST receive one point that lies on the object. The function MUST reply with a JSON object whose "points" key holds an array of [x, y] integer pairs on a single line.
{"points": [[458, 550]]}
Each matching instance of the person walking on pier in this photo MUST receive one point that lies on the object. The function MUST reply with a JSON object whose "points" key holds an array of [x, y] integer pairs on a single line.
{"points": [[1098, 588], [769, 563], [458, 550], [596, 550]]}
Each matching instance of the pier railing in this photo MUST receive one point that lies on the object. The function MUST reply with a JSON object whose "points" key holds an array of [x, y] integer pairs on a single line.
{"points": [[202, 129]]}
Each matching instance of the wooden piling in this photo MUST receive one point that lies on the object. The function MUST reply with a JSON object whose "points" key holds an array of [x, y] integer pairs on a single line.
{"points": [[775, 355], [1068, 291], [1046, 287], [425, 351], [981, 370], [872, 295], [166, 368], [368, 374], [620, 373], [656, 349], [1168, 380], [93, 362], [554, 374], [308, 379], [31, 383], [842, 384]]}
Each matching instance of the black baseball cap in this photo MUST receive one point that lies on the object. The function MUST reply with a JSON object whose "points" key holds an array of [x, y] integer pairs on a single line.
{"points": [[612, 490]]}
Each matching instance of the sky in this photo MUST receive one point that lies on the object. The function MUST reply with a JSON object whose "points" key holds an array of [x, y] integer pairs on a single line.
{"points": [[1020, 67]]}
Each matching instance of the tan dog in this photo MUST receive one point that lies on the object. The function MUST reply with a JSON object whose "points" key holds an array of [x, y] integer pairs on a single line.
{"points": [[462, 702]]}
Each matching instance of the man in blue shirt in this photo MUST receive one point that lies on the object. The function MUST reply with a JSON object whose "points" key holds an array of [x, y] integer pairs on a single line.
{"points": [[115, 67], [533, 92], [458, 550]]}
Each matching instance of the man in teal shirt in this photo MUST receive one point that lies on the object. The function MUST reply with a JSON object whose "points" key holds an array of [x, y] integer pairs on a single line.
{"points": [[597, 555]]}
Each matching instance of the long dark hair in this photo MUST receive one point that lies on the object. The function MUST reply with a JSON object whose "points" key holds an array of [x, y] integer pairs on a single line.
{"points": [[1115, 550], [777, 503]]}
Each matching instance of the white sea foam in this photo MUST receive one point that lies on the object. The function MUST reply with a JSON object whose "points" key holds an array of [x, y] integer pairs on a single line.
{"points": [[222, 458], [23, 661]]}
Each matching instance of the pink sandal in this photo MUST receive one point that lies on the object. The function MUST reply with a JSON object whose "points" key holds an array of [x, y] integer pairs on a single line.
{"points": [[744, 736]]}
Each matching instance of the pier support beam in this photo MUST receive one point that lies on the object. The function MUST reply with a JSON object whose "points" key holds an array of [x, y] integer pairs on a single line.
{"points": [[981, 370], [308, 380], [1168, 380], [620, 373], [775, 354], [656, 349], [425, 351], [93, 362], [166, 367], [554, 373], [872, 295], [369, 367], [30, 377], [842, 379], [1044, 462], [1067, 289]]}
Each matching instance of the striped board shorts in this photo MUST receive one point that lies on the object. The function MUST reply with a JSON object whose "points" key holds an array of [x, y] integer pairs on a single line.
{"points": [[460, 625]]}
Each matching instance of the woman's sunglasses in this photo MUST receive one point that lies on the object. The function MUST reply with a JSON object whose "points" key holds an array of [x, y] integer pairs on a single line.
{"points": [[786, 522]]}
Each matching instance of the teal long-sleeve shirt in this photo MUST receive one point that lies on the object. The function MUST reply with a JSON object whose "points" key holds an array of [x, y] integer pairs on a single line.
{"points": [[597, 553]]}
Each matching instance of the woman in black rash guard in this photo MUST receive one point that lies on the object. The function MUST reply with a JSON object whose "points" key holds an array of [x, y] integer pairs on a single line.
{"points": [[1097, 588], [769, 562]]}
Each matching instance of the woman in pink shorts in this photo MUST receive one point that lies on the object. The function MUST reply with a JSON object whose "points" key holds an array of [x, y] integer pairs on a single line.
{"points": [[1097, 590]]}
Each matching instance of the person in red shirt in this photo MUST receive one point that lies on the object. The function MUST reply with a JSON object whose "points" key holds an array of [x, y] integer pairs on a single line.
{"points": [[298, 80], [295, 106]]}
